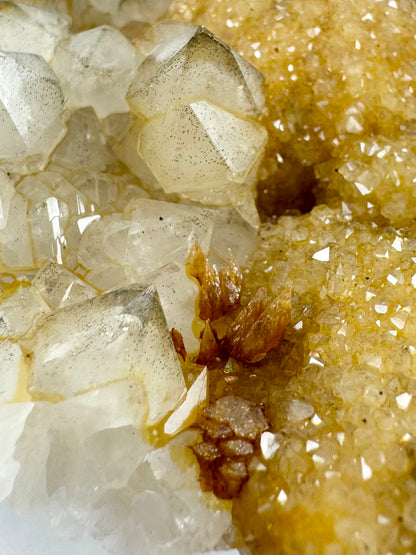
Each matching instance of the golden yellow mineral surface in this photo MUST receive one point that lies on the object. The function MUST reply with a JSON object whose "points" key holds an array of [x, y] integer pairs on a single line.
{"points": [[335, 473], [340, 80]]}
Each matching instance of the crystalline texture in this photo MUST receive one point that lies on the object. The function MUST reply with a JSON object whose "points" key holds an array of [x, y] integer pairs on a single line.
{"points": [[26, 28], [19, 312], [205, 148], [59, 287], [11, 360], [116, 336], [95, 68], [31, 108], [117, 12], [85, 145], [196, 65], [14, 235], [47, 216]]}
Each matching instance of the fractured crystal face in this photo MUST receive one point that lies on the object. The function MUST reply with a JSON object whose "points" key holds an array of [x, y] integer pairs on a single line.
{"points": [[26, 28], [196, 65], [116, 336], [205, 148], [96, 68], [90, 465], [31, 111]]}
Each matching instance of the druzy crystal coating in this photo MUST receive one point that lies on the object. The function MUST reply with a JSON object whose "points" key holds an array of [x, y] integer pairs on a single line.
{"points": [[93, 279], [129, 131]]}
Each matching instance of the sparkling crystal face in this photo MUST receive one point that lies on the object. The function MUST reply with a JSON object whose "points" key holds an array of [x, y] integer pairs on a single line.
{"points": [[134, 399], [94, 235]]}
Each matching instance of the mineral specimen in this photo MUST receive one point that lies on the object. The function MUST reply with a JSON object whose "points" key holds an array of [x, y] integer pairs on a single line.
{"points": [[337, 74], [198, 97], [26, 28], [96, 68], [31, 111], [126, 138]]}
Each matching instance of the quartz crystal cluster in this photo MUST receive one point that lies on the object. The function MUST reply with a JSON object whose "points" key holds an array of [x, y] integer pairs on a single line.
{"points": [[340, 81], [335, 472], [93, 247], [129, 135]]}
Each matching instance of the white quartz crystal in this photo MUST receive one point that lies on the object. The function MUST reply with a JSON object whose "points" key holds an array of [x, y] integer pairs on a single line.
{"points": [[11, 363], [47, 216], [93, 474], [20, 311], [178, 295], [26, 28], [157, 233], [205, 148], [232, 232], [12, 420], [122, 131], [6, 195], [116, 336], [196, 65], [96, 68], [117, 12], [85, 145], [16, 248], [31, 111], [185, 414], [59, 287]]}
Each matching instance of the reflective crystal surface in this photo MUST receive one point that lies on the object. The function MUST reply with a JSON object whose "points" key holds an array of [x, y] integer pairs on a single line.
{"points": [[31, 111], [59, 287], [26, 28], [96, 68], [177, 70], [85, 145], [93, 243], [203, 144], [119, 335]]}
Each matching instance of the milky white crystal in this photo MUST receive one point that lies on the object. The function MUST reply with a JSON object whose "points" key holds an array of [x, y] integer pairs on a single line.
{"points": [[185, 414], [31, 111], [59, 287], [20, 311], [85, 145], [116, 336], [12, 420], [96, 68], [26, 28], [122, 131], [16, 249], [205, 148], [11, 363], [87, 13], [196, 65]]}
